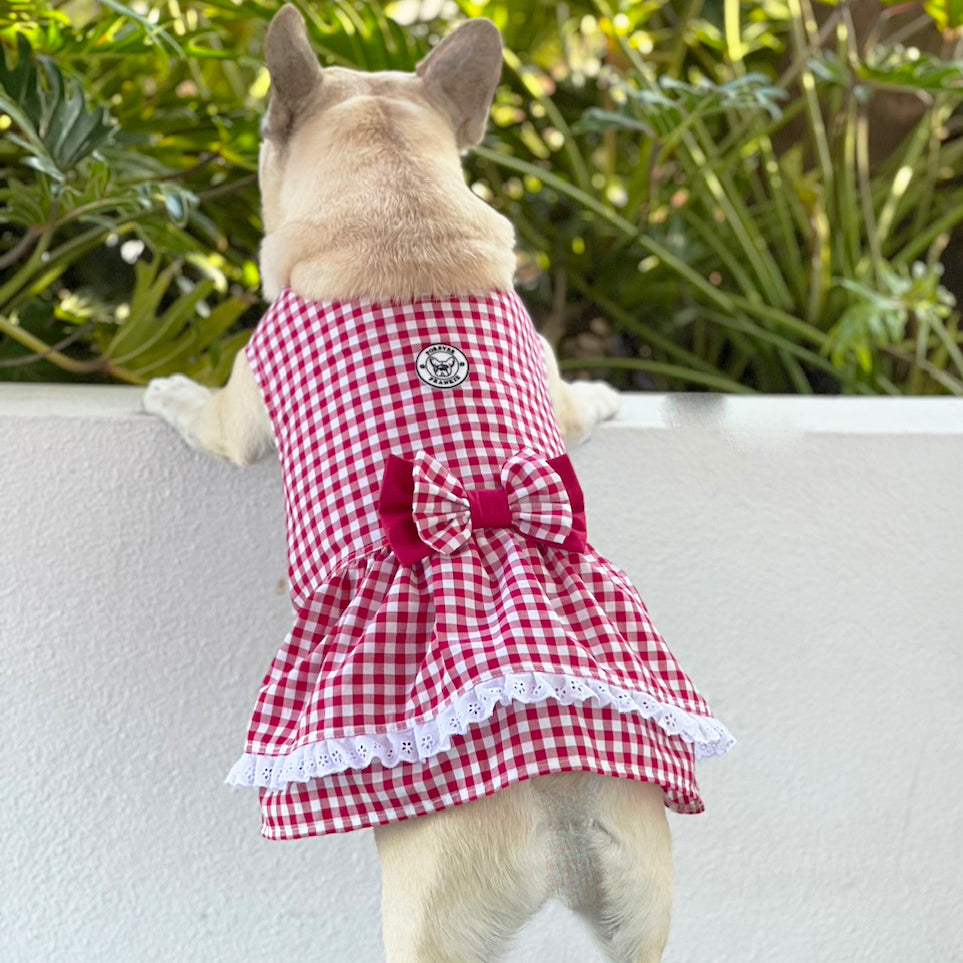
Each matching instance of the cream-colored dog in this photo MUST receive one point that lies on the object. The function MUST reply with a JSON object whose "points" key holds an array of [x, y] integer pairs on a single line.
{"points": [[457, 885]]}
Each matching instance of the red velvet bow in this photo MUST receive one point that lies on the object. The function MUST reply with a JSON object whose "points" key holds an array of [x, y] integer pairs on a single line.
{"points": [[424, 508]]}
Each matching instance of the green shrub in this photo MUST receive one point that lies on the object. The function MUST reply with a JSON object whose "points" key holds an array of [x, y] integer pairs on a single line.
{"points": [[692, 183]]}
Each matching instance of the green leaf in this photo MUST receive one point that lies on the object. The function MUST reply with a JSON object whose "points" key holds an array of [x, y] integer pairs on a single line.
{"points": [[596, 119], [20, 96], [682, 219], [672, 103], [892, 65], [880, 313], [23, 12], [948, 14], [56, 126]]}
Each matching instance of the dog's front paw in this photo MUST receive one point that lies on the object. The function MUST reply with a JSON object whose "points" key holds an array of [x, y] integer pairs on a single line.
{"points": [[173, 397], [599, 398], [178, 400], [592, 402]]}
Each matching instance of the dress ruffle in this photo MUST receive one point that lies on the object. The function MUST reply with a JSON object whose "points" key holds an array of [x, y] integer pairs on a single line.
{"points": [[496, 658], [381, 669], [708, 736]]}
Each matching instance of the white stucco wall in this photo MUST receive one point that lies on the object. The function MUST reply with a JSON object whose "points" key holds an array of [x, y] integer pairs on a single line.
{"points": [[804, 558]]}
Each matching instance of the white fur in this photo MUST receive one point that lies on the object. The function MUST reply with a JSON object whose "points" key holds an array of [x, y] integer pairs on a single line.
{"points": [[364, 198]]}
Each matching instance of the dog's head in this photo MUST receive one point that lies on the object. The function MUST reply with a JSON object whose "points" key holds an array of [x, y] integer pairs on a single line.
{"points": [[325, 123]]}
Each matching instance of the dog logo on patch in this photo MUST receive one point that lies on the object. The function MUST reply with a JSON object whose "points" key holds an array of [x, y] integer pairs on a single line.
{"points": [[442, 366]]}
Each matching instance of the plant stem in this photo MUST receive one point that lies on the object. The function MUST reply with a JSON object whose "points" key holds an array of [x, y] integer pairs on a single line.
{"points": [[951, 347], [643, 330], [719, 382], [811, 358], [579, 170], [865, 196], [944, 378], [23, 275], [734, 46], [923, 240], [49, 353], [23, 245], [771, 281], [849, 244], [806, 38], [81, 331], [677, 55], [725, 300]]}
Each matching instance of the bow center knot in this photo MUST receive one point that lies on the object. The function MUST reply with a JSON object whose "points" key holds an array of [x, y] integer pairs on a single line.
{"points": [[489, 508]]}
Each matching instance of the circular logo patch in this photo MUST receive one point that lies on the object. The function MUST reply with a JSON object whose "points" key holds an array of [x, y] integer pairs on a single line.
{"points": [[442, 366]]}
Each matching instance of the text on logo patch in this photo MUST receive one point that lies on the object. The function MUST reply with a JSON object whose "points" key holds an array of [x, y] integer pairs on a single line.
{"points": [[442, 366]]}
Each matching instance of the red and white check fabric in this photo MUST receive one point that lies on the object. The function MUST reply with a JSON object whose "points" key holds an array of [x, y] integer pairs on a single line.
{"points": [[536, 497], [405, 688]]}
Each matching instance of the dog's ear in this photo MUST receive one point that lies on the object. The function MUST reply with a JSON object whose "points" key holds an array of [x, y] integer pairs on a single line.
{"points": [[462, 72], [293, 66]]}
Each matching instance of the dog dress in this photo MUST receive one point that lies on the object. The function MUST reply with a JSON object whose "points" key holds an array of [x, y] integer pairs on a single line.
{"points": [[454, 630]]}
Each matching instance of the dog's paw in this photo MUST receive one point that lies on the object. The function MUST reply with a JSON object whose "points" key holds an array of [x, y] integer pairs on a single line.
{"points": [[177, 400], [592, 402], [174, 396], [600, 400]]}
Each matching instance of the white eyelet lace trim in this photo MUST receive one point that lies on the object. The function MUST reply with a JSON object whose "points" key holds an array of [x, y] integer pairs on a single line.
{"points": [[709, 736]]}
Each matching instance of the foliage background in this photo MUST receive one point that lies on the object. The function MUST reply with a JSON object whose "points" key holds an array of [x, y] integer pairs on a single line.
{"points": [[742, 196]]}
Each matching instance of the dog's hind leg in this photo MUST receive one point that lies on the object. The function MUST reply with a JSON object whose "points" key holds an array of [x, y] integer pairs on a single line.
{"points": [[459, 884], [631, 850]]}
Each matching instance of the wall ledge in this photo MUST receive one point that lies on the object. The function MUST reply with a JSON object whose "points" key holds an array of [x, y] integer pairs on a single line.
{"points": [[759, 415], [800, 555]]}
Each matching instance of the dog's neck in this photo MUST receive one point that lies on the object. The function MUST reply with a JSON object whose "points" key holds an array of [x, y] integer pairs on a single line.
{"points": [[391, 251], [387, 223]]}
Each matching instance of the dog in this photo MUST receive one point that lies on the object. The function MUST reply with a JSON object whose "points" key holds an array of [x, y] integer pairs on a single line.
{"points": [[365, 204]]}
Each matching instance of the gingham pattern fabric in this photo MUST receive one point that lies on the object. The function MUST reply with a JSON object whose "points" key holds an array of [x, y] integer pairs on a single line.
{"points": [[536, 498], [404, 689]]}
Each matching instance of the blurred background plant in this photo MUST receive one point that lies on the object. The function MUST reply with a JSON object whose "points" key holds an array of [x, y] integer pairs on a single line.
{"points": [[708, 194]]}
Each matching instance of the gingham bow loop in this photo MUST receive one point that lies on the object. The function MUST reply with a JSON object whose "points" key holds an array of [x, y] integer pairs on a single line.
{"points": [[537, 497], [533, 499]]}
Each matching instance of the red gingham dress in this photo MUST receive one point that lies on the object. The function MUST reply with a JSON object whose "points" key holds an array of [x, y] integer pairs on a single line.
{"points": [[493, 652]]}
